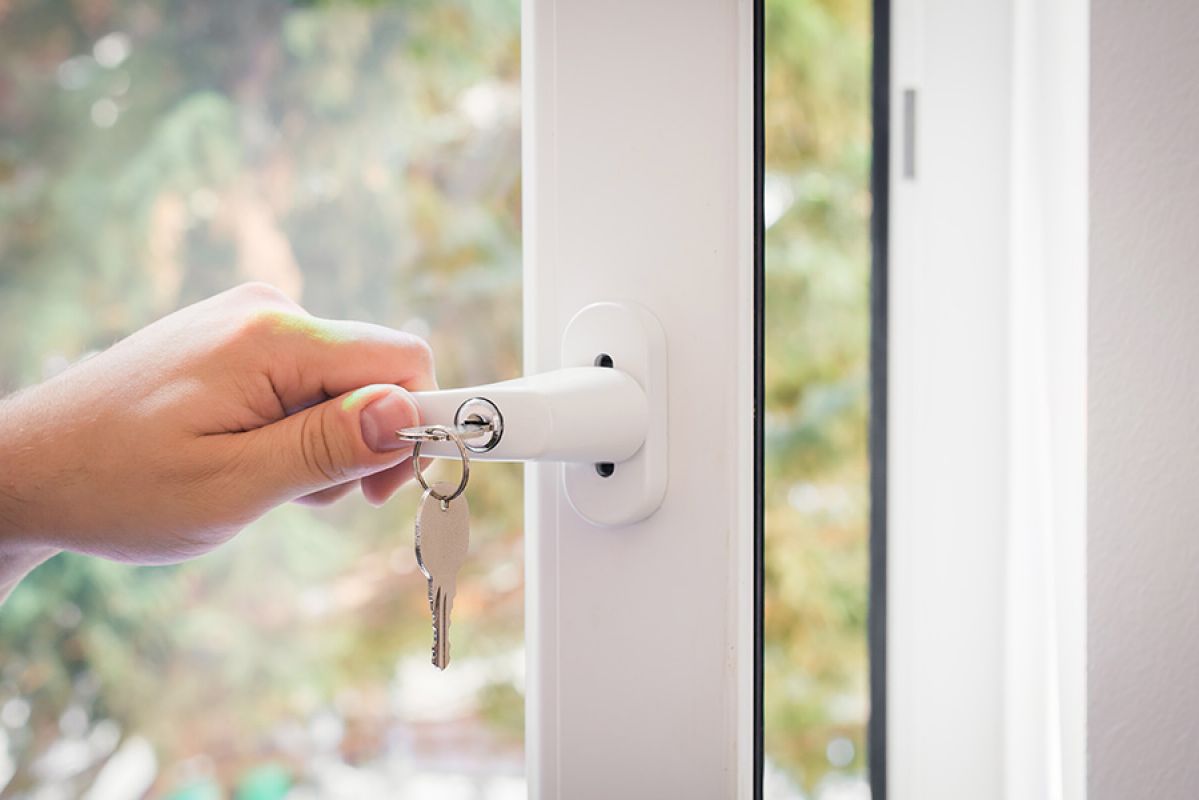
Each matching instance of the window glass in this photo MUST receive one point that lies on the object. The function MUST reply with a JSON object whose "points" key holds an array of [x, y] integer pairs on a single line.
{"points": [[817, 207], [364, 157]]}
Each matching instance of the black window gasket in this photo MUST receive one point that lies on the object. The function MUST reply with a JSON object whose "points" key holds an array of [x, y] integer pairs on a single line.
{"points": [[759, 422], [880, 193]]}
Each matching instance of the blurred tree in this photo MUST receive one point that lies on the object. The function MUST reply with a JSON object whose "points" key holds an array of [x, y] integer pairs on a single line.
{"points": [[365, 158]]}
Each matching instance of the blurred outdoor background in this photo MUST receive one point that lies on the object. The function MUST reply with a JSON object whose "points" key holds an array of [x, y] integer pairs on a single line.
{"points": [[365, 157]]}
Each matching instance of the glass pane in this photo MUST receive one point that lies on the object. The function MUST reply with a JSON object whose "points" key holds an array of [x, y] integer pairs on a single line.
{"points": [[364, 157], [817, 206]]}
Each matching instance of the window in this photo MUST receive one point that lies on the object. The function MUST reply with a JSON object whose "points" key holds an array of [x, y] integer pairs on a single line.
{"points": [[364, 158], [367, 159]]}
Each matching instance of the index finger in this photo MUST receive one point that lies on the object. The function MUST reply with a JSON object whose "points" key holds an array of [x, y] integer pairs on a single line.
{"points": [[312, 359]]}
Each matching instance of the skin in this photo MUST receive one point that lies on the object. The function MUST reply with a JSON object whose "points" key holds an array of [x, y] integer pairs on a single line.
{"points": [[169, 443]]}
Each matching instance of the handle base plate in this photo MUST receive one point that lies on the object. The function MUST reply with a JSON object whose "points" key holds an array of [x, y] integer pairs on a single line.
{"points": [[634, 342]]}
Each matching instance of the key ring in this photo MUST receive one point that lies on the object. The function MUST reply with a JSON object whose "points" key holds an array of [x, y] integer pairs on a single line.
{"points": [[437, 433]]}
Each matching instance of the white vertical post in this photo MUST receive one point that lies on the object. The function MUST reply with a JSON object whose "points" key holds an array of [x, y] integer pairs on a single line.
{"points": [[638, 156], [987, 393], [947, 419]]}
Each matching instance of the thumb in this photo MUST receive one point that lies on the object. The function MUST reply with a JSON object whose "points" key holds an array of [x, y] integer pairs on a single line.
{"points": [[337, 441]]}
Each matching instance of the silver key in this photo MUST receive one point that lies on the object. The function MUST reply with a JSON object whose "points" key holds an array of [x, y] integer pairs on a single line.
{"points": [[442, 541]]}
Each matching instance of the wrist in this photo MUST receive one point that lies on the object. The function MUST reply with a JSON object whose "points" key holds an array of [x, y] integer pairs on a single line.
{"points": [[12, 494], [21, 549], [14, 478]]}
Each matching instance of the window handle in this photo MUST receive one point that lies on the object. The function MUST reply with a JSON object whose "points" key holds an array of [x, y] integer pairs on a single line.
{"points": [[603, 415], [575, 414]]}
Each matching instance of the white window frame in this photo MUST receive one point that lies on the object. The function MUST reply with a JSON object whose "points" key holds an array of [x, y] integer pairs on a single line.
{"points": [[986, 678], [639, 186]]}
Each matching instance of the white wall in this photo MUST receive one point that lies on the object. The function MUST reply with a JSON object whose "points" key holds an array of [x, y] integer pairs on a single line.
{"points": [[1143, 478]]}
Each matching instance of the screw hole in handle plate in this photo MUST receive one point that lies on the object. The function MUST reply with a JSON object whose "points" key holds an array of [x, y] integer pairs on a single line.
{"points": [[629, 338], [604, 468]]}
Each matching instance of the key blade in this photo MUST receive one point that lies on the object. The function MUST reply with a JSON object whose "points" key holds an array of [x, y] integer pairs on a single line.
{"points": [[441, 624]]}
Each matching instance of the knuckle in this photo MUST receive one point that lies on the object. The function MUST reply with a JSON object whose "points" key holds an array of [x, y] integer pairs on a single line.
{"points": [[260, 324], [261, 292], [319, 450], [420, 351]]}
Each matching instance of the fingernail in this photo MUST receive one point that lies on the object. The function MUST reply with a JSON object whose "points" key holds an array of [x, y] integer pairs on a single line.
{"points": [[382, 418]]}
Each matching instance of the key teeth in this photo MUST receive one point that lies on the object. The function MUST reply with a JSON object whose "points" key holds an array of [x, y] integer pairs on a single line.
{"points": [[440, 660]]}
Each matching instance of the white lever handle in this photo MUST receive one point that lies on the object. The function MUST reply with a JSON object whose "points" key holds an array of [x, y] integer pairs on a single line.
{"points": [[607, 423], [583, 414]]}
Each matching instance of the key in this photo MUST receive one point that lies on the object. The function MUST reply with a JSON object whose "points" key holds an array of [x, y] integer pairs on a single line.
{"points": [[442, 541]]}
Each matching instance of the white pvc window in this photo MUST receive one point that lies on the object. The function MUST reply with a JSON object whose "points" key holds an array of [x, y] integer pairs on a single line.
{"points": [[383, 163]]}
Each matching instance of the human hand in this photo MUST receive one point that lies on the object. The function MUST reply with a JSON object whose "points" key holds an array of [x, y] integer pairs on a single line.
{"points": [[170, 442]]}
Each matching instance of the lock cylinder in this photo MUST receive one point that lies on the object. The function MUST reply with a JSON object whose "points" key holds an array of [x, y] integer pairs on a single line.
{"points": [[577, 414]]}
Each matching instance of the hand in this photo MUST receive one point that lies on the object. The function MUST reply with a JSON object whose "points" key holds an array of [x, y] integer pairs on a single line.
{"points": [[166, 445]]}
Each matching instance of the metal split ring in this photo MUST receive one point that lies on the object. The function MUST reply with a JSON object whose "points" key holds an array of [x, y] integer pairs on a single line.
{"points": [[438, 433]]}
